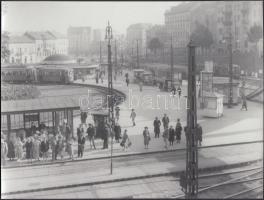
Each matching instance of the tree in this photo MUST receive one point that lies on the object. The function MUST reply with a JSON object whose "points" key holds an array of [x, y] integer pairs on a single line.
{"points": [[202, 36], [155, 44], [5, 53]]}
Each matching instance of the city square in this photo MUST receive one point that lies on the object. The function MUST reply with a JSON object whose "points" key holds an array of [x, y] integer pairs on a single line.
{"points": [[166, 105]]}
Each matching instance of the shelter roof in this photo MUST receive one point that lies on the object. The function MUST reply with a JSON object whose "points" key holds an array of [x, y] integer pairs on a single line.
{"points": [[44, 104], [20, 39]]}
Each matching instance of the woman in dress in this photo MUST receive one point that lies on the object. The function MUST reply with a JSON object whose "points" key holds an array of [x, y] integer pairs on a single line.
{"points": [[19, 149], [36, 147], [125, 140]]}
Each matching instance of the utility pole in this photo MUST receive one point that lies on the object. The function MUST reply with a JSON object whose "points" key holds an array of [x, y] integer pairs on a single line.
{"points": [[172, 71], [100, 53], [137, 56], [115, 58], [191, 139], [228, 23], [109, 36]]}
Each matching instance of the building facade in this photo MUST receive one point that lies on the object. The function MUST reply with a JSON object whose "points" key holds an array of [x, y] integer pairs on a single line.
{"points": [[33, 47], [22, 50], [137, 32], [80, 39]]}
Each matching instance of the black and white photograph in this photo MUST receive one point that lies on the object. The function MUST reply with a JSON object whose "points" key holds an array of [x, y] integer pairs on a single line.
{"points": [[132, 99]]}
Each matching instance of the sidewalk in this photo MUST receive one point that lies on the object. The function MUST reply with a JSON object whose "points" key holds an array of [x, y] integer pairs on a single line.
{"points": [[91, 172], [234, 126]]}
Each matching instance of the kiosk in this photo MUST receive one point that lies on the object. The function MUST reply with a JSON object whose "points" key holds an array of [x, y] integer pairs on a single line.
{"points": [[100, 120], [212, 104]]}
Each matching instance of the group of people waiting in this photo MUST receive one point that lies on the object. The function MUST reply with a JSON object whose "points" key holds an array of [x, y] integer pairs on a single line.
{"points": [[170, 134]]}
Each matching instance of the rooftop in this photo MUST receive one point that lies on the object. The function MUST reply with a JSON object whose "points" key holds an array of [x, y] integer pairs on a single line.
{"points": [[40, 35], [59, 59], [40, 104], [20, 39]]}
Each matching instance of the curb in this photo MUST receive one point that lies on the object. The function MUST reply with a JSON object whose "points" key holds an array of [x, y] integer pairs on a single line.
{"points": [[175, 173], [131, 154]]}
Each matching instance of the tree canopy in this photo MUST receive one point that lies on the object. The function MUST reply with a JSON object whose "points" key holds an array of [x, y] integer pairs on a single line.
{"points": [[202, 36], [255, 34], [155, 44]]}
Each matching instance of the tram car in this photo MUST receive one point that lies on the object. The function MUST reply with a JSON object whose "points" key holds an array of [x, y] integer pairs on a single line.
{"points": [[85, 71], [55, 75], [18, 74], [223, 71]]}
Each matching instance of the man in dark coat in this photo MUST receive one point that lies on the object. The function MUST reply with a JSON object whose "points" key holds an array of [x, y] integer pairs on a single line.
{"points": [[179, 91], [91, 135], [81, 143], [117, 130], [165, 121], [83, 117], [157, 124], [171, 135], [105, 135], [178, 130], [199, 134]]}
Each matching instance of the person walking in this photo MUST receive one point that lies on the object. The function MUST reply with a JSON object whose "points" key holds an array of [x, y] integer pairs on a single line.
{"points": [[19, 149], [157, 124], [178, 130], [125, 140], [91, 134], [199, 134], [171, 135], [179, 91], [81, 143], [140, 85], [244, 103], [165, 121], [165, 137], [117, 130], [133, 116], [127, 81], [117, 113], [11, 150], [44, 148], [4, 151], [146, 136]]}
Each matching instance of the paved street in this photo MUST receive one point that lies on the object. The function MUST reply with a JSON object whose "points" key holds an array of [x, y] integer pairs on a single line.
{"points": [[234, 126]]}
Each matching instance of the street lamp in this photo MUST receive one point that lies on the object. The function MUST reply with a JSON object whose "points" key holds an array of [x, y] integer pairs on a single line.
{"points": [[109, 37]]}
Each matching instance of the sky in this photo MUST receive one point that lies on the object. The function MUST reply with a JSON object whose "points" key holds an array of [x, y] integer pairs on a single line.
{"points": [[18, 17]]}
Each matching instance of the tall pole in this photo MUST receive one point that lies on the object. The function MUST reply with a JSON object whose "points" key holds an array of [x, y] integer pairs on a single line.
{"points": [[191, 141], [109, 36], [228, 23], [137, 56], [172, 71], [100, 52], [115, 58]]}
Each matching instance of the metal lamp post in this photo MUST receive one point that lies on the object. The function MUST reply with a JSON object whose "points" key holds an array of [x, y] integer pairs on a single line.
{"points": [[109, 37]]}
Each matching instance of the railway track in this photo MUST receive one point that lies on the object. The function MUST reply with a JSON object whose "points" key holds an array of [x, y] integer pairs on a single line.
{"points": [[214, 184]]}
